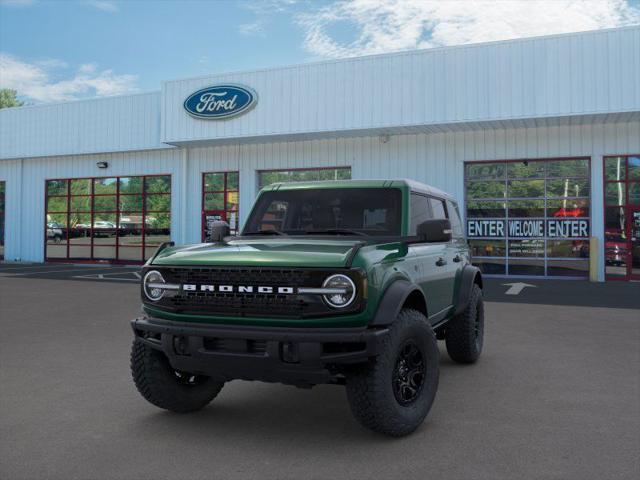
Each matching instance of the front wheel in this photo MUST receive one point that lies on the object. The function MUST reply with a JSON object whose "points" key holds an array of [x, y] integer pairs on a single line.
{"points": [[166, 387], [394, 392]]}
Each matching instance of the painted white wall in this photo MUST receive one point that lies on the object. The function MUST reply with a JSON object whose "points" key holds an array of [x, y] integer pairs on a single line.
{"points": [[545, 77], [568, 78], [11, 174], [25, 198], [111, 124], [436, 158]]}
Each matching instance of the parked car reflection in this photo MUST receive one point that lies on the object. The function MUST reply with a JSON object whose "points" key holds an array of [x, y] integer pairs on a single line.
{"points": [[54, 232]]}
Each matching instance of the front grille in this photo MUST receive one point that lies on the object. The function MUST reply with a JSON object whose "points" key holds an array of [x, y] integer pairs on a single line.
{"points": [[234, 304]]}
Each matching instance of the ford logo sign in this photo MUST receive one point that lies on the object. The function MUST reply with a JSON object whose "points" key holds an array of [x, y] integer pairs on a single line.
{"points": [[220, 101]]}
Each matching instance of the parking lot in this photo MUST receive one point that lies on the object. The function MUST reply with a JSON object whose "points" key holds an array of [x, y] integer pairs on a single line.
{"points": [[556, 395]]}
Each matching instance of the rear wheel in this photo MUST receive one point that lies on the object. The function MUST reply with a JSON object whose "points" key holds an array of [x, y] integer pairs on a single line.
{"points": [[464, 334], [394, 392], [166, 387]]}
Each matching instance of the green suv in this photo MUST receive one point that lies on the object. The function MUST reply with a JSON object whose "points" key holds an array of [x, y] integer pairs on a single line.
{"points": [[342, 282]]}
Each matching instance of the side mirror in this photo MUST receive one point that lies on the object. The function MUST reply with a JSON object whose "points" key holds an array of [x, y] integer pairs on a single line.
{"points": [[217, 231], [435, 231]]}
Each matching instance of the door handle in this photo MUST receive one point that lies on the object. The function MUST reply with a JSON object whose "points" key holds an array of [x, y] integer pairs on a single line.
{"points": [[457, 258], [441, 262]]}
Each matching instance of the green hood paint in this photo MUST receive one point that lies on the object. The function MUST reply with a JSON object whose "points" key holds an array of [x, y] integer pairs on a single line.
{"points": [[261, 252]]}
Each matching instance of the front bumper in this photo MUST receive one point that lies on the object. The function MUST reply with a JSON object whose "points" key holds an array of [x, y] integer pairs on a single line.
{"points": [[297, 356]]}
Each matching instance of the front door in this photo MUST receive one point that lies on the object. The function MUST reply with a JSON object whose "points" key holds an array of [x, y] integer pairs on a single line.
{"points": [[633, 269]]}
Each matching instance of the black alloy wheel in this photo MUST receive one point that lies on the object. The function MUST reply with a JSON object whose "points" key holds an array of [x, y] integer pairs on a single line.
{"points": [[408, 374]]}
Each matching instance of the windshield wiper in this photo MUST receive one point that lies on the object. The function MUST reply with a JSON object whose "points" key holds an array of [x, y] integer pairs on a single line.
{"points": [[336, 231], [265, 232]]}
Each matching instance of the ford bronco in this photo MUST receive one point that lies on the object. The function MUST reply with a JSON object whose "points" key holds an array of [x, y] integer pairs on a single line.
{"points": [[342, 282]]}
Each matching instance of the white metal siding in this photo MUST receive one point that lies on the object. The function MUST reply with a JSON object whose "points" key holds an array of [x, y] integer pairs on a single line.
{"points": [[434, 158], [11, 174], [547, 77], [25, 202], [437, 159], [90, 126]]}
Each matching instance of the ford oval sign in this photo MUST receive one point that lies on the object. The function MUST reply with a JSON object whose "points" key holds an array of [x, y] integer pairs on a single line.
{"points": [[220, 101]]}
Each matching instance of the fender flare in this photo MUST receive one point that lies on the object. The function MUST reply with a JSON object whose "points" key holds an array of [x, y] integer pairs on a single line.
{"points": [[469, 276], [392, 301]]}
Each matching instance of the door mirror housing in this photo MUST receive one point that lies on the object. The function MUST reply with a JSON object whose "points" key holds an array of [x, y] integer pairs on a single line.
{"points": [[218, 230], [434, 231]]}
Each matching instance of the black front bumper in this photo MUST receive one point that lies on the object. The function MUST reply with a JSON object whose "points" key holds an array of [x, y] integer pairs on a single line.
{"points": [[297, 356]]}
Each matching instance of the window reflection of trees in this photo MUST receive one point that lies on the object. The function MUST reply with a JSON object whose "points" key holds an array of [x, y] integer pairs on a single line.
{"points": [[529, 189], [116, 218]]}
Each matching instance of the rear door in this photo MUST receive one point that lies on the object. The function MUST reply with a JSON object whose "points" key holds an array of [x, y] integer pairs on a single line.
{"points": [[449, 261]]}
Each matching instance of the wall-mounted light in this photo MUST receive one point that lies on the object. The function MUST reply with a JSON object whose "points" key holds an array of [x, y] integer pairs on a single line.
{"points": [[102, 164]]}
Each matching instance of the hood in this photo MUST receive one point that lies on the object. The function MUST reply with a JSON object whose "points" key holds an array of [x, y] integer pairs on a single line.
{"points": [[289, 252]]}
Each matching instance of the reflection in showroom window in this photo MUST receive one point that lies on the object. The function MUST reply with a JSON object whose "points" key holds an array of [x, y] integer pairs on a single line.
{"points": [[107, 219], [529, 217], [622, 217]]}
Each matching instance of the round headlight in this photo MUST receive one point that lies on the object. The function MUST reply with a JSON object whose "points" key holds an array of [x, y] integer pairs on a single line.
{"points": [[152, 285], [344, 291]]}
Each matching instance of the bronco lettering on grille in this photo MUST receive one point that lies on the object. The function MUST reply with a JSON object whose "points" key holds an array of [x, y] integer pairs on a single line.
{"points": [[190, 287]]}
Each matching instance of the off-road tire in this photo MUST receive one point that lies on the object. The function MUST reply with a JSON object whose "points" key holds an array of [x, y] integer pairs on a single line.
{"points": [[464, 334], [370, 388], [162, 386]]}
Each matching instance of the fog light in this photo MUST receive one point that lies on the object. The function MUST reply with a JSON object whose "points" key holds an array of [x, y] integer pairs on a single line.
{"points": [[289, 352], [181, 345]]}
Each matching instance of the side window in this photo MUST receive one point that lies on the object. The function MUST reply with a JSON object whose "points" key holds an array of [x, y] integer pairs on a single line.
{"points": [[454, 216], [437, 206], [419, 211]]}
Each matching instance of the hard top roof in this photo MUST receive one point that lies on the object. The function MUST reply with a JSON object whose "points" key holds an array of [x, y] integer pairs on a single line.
{"points": [[396, 183]]}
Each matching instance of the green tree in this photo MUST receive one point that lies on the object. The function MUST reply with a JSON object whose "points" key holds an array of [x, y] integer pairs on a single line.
{"points": [[8, 98]]}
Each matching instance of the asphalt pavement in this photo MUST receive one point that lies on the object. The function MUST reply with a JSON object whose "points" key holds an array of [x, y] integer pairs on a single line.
{"points": [[556, 395]]}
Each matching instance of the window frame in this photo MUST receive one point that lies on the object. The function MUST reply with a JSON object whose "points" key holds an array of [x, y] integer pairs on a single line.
{"points": [[505, 178], [224, 193], [627, 206], [92, 215]]}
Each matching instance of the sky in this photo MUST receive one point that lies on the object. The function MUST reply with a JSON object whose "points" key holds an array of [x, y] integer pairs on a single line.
{"points": [[60, 50]]}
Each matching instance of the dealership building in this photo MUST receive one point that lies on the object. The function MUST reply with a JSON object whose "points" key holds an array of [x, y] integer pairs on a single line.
{"points": [[537, 138]]}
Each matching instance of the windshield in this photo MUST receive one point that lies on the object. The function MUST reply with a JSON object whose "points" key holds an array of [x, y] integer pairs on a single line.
{"points": [[332, 211]]}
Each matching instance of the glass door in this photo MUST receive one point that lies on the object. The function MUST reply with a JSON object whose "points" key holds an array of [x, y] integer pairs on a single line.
{"points": [[220, 191], [622, 217], [634, 243]]}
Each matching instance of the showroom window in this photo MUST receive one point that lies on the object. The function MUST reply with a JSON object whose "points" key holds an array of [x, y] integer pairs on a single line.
{"points": [[2, 210], [220, 194], [622, 217], [118, 219], [529, 217], [267, 177]]}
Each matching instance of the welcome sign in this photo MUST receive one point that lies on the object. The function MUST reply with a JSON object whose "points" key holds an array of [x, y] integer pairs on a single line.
{"points": [[220, 101], [528, 228]]}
